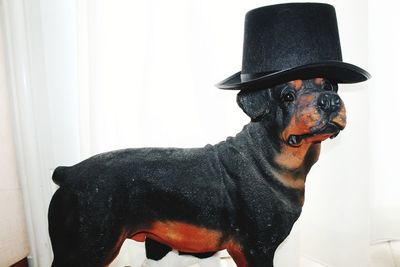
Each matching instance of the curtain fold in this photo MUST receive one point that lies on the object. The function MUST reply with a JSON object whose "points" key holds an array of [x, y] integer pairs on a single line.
{"points": [[384, 55]]}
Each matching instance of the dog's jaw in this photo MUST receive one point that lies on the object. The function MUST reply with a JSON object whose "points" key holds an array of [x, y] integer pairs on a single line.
{"points": [[312, 126], [329, 130]]}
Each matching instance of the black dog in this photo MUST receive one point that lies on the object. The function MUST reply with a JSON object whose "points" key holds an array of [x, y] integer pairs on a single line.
{"points": [[243, 194]]}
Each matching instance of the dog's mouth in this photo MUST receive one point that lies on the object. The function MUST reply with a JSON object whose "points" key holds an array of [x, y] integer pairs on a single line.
{"points": [[329, 130]]}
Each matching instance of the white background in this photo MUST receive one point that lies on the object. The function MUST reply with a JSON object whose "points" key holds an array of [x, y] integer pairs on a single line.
{"points": [[95, 75]]}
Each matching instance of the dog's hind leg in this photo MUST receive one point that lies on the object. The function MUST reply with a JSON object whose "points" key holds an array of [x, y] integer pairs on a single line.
{"points": [[155, 250], [78, 240], [64, 227]]}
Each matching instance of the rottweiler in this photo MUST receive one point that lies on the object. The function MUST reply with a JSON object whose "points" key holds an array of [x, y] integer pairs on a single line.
{"points": [[243, 194]]}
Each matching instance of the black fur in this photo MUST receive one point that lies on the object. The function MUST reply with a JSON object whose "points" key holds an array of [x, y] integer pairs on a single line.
{"points": [[254, 103]]}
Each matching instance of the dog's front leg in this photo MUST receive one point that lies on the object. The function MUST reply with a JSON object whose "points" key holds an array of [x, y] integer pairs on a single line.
{"points": [[254, 253], [261, 254], [256, 241]]}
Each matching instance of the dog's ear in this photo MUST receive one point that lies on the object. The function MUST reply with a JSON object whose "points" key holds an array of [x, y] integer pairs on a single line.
{"points": [[254, 103]]}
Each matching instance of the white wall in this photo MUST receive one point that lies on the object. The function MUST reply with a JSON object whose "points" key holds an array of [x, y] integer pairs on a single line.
{"points": [[14, 245], [384, 120]]}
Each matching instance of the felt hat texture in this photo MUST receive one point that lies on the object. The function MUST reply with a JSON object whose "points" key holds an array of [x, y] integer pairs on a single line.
{"points": [[291, 41]]}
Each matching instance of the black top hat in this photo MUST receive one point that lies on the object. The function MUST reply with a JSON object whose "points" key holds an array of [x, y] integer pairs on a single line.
{"points": [[291, 41]]}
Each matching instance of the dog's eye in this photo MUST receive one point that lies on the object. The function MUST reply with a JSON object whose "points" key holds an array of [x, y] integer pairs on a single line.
{"points": [[329, 86], [288, 96]]}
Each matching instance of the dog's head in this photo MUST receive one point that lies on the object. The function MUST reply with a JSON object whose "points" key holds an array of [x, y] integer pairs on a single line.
{"points": [[300, 111]]}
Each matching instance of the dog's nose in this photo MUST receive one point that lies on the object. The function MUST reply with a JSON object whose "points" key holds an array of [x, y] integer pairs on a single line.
{"points": [[329, 102]]}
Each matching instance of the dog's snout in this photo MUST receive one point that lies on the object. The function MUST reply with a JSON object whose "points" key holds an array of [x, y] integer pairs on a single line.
{"points": [[329, 102]]}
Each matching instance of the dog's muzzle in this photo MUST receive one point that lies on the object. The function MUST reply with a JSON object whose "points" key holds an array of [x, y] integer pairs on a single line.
{"points": [[331, 119]]}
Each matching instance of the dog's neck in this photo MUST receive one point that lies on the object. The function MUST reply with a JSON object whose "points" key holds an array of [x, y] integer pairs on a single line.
{"points": [[273, 157]]}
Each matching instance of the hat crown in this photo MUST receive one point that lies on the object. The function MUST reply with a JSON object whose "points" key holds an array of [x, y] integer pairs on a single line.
{"points": [[284, 36]]}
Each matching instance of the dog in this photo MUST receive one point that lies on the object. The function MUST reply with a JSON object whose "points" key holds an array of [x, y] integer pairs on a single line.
{"points": [[243, 194]]}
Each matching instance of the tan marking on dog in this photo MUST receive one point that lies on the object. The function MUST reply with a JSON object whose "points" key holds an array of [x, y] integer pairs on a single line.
{"points": [[191, 239], [289, 181], [302, 199], [318, 138], [182, 236], [296, 84], [292, 158], [139, 237], [295, 127], [306, 120], [236, 252], [341, 119]]}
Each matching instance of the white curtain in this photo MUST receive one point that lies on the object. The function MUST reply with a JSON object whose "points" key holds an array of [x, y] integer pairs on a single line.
{"points": [[90, 76], [384, 43]]}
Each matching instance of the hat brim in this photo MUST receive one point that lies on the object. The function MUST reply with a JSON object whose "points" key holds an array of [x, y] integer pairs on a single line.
{"points": [[336, 71]]}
